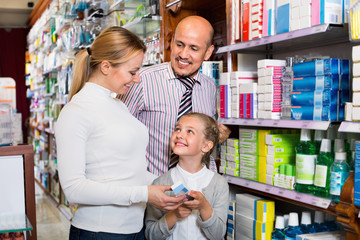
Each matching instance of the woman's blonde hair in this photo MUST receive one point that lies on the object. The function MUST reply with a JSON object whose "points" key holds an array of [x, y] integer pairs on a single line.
{"points": [[114, 44]]}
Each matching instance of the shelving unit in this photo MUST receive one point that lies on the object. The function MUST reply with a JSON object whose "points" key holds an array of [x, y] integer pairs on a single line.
{"points": [[324, 35], [316, 125]]}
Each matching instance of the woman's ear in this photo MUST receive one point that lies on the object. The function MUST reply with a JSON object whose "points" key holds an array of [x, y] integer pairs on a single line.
{"points": [[208, 145], [105, 67]]}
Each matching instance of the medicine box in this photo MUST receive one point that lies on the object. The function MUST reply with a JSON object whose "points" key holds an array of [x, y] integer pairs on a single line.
{"points": [[324, 113], [282, 139], [315, 98], [318, 83], [328, 66]]}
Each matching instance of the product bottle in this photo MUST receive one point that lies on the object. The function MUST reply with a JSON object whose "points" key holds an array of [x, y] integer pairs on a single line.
{"points": [[306, 226], [293, 228], [352, 152], [340, 171], [339, 146], [286, 220], [322, 170], [278, 233], [305, 163], [286, 83], [319, 135], [319, 224], [330, 222]]}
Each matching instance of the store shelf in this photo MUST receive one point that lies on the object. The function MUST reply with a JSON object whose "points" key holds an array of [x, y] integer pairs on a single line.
{"points": [[316, 125], [14, 223], [353, 127], [316, 36], [280, 192]]}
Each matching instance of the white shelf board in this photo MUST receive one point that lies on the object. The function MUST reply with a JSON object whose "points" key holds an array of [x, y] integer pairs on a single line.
{"points": [[349, 127], [281, 192], [294, 38], [316, 125]]}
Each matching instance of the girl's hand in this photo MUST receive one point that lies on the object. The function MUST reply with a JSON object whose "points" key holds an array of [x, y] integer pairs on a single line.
{"points": [[182, 212], [199, 203]]}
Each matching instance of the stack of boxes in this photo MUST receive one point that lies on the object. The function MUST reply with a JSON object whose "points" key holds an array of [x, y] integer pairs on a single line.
{"points": [[300, 14], [344, 92], [237, 79], [229, 157], [253, 154], [269, 88], [280, 160], [316, 88], [353, 109], [327, 11], [245, 13], [254, 217], [256, 22], [248, 100], [231, 221]]}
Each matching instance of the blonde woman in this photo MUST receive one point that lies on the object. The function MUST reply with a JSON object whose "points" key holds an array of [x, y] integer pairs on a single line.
{"points": [[101, 147]]}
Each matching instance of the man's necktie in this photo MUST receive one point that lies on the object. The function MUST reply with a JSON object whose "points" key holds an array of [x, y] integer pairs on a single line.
{"points": [[186, 103], [184, 107]]}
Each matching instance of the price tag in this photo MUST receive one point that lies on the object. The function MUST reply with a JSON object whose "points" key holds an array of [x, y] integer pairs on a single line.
{"points": [[280, 192], [247, 183], [257, 43], [267, 188], [298, 197], [245, 122], [318, 29], [248, 44], [233, 121], [259, 123], [290, 35], [304, 124], [275, 123]]}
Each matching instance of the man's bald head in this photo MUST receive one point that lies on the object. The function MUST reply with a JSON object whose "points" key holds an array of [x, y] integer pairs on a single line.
{"points": [[199, 24]]}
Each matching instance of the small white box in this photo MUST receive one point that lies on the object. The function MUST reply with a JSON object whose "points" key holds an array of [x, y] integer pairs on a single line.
{"points": [[261, 88], [356, 53], [356, 69], [261, 106], [305, 10], [270, 62], [224, 78], [356, 99], [294, 24], [348, 111], [356, 114], [305, 22], [261, 97], [261, 72], [295, 13], [356, 84]]}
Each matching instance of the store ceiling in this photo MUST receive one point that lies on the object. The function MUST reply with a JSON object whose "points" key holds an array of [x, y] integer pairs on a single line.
{"points": [[15, 13]]}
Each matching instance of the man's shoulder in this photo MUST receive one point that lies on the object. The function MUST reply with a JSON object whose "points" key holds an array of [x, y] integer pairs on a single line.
{"points": [[207, 80], [154, 68]]}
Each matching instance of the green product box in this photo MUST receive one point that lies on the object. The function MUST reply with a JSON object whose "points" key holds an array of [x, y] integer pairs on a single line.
{"points": [[281, 150], [282, 139]]}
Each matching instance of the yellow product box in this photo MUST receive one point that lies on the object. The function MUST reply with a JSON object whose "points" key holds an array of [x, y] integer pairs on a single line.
{"points": [[262, 169], [253, 229]]}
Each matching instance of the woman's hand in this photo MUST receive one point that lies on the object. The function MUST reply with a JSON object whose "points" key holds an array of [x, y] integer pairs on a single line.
{"points": [[160, 200], [199, 203]]}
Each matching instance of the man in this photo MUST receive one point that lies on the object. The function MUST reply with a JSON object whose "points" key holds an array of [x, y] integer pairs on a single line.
{"points": [[156, 99]]}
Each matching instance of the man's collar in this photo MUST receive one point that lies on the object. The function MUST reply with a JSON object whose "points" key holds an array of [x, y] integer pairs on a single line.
{"points": [[172, 74]]}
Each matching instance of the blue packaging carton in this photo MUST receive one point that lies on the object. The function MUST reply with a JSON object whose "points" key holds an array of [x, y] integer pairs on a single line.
{"points": [[345, 66], [316, 83], [324, 113], [345, 81], [315, 98], [318, 67], [357, 174]]}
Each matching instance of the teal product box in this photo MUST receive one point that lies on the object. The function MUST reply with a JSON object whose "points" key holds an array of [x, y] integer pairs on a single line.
{"points": [[316, 98], [282, 16], [324, 113], [357, 174], [345, 66], [316, 83], [328, 66]]}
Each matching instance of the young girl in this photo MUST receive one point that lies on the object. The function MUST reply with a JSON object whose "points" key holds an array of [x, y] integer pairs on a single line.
{"points": [[193, 140]]}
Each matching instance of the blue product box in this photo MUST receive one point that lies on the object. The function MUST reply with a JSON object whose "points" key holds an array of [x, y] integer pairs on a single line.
{"points": [[341, 116], [328, 66], [317, 98], [345, 66], [357, 174], [324, 113], [344, 96], [318, 83], [283, 17], [345, 81]]}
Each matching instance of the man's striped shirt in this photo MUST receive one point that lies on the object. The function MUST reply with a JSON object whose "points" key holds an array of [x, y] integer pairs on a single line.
{"points": [[155, 102]]}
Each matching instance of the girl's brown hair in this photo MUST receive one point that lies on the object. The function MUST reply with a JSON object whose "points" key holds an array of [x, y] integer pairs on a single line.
{"points": [[114, 44]]}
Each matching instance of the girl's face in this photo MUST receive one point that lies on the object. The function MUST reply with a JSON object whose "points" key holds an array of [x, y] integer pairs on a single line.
{"points": [[122, 76], [188, 138]]}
